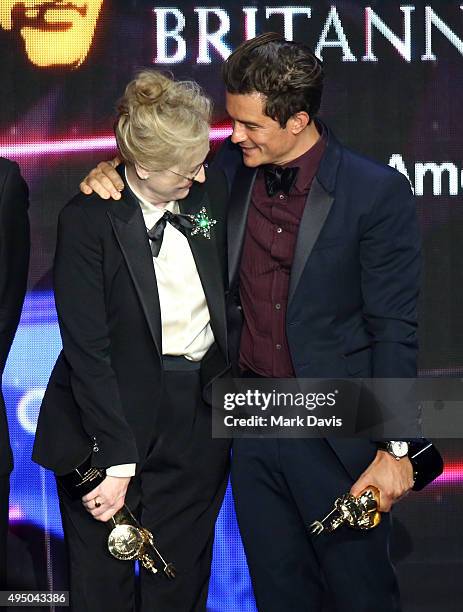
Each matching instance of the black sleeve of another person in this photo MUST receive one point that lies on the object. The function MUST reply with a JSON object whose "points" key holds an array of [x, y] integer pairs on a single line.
{"points": [[14, 263], [14, 260]]}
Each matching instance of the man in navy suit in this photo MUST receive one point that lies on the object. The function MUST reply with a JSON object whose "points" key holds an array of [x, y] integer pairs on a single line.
{"points": [[324, 265], [14, 262]]}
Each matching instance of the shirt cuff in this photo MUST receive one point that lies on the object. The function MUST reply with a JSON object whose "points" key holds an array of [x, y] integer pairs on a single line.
{"points": [[122, 471]]}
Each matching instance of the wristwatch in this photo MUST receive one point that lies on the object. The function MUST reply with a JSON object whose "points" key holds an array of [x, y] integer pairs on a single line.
{"points": [[397, 448]]}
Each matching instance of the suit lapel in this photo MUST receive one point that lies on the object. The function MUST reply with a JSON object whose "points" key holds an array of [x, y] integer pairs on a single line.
{"points": [[317, 208], [207, 258], [240, 198], [129, 227]]}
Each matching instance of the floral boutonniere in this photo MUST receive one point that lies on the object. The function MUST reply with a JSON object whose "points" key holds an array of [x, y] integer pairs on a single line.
{"points": [[202, 223]]}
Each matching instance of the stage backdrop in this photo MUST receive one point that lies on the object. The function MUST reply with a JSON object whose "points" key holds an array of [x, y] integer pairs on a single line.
{"points": [[394, 84]]}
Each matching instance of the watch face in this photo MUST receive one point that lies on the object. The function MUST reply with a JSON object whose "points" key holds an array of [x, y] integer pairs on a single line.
{"points": [[400, 449]]}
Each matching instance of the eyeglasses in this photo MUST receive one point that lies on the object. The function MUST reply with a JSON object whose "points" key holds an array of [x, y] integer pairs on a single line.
{"points": [[191, 178]]}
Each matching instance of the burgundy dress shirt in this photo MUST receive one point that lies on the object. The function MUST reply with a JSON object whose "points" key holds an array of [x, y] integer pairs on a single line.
{"points": [[266, 262]]}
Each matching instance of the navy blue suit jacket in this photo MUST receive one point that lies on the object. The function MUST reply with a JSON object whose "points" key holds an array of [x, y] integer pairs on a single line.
{"points": [[352, 304]]}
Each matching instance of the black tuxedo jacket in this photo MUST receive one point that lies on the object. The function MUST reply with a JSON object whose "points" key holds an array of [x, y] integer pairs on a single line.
{"points": [[352, 304], [14, 263], [105, 386]]}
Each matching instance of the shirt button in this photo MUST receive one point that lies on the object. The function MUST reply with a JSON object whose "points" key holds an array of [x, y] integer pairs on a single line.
{"points": [[282, 196], [278, 306], [279, 230], [278, 347]]}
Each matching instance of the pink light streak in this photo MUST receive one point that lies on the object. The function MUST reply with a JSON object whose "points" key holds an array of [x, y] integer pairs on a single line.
{"points": [[220, 133], [16, 513], [452, 474], [78, 145], [55, 147]]}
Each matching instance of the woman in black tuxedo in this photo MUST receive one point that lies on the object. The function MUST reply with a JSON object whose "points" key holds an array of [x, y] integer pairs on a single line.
{"points": [[140, 300]]}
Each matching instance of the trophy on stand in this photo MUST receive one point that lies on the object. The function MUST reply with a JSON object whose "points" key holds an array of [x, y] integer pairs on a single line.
{"points": [[358, 512], [128, 540]]}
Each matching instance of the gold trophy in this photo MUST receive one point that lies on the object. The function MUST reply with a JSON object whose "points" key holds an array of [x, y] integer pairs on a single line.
{"points": [[129, 541], [358, 512]]}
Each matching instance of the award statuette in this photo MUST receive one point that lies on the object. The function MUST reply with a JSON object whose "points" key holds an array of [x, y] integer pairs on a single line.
{"points": [[358, 512], [128, 540], [362, 512]]}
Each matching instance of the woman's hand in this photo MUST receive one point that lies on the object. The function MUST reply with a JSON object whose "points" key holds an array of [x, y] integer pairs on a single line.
{"points": [[107, 498], [104, 180]]}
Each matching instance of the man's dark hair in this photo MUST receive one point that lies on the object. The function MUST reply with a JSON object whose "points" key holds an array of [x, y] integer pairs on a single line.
{"points": [[287, 73]]}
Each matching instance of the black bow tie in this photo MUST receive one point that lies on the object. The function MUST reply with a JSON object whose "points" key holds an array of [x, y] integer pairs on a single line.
{"points": [[279, 179], [156, 233]]}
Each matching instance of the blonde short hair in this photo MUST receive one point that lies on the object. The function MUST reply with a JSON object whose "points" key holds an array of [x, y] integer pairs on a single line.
{"points": [[161, 123]]}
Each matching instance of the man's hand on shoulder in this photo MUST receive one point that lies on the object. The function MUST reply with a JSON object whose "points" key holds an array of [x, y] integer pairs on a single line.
{"points": [[393, 478], [104, 180]]}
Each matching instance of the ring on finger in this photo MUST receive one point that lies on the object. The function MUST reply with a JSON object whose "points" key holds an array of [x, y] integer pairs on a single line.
{"points": [[97, 503]]}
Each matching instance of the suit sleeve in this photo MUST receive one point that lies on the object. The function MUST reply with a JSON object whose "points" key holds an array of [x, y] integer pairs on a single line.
{"points": [[14, 255], [390, 254], [80, 302]]}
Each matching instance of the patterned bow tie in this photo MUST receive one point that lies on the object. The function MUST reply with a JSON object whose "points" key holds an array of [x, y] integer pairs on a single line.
{"points": [[279, 179], [156, 233]]}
